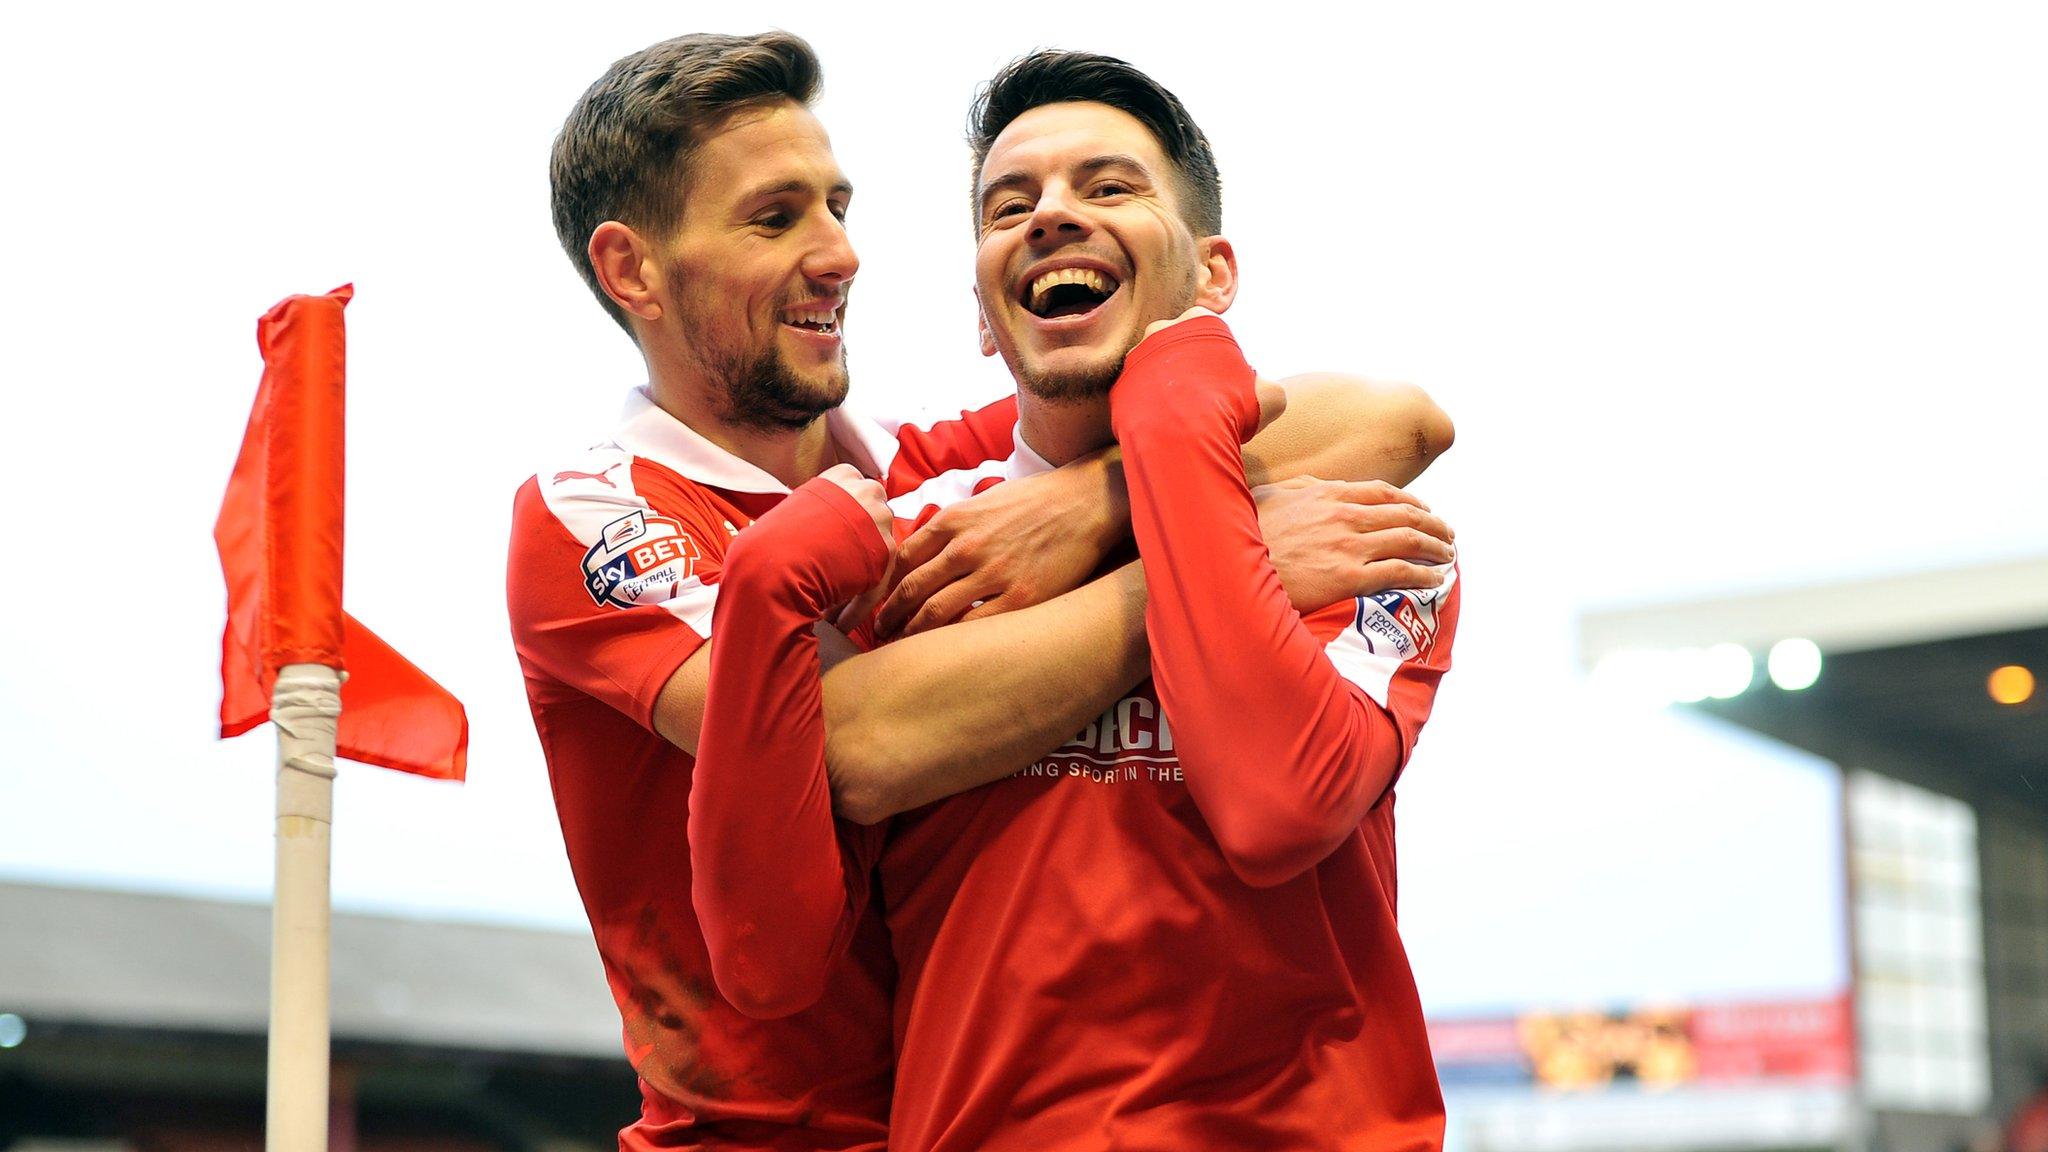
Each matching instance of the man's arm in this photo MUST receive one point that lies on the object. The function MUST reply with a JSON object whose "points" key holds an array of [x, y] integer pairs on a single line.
{"points": [[940, 712], [1008, 689], [1284, 755], [778, 885], [999, 551], [777, 893], [1340, 427]]}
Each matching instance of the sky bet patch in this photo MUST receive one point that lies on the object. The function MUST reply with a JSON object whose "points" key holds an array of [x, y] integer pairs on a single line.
{"points": [[639, 559], [1399, 624]]}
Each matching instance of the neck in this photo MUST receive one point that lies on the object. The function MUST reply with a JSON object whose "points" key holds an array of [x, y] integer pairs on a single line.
{"points": [[1063, 431], [791, 455]]}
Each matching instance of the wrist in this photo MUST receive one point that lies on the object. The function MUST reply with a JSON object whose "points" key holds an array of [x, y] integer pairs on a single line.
{"points": [[1101, 494], [819, 544], [1187, 373]]}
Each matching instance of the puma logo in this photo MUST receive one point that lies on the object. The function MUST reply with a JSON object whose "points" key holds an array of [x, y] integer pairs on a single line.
{"points": [[600, 477]]}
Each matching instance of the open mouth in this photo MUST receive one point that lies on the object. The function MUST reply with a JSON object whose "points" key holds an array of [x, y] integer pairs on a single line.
{"points": [[825, 323], [1068, 292]]}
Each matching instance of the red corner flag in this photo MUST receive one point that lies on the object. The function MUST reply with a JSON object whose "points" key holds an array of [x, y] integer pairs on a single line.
{"points": [[279, 535]]}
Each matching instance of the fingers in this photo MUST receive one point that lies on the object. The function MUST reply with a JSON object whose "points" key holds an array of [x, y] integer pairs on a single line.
{"points": [[920, 546], [943, 607], [876, 501], [942, 592], [918, 585], [857, 612], [1375, 518], [1401, 543], [1395, 575], [1376, 492], [867, 493], [1364, 494], [1277, 488], [989, 607], [1419, 530]]}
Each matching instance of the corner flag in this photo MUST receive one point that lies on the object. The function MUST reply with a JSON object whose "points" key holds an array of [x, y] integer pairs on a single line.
{"points": [[287, 649], [279, 535]]}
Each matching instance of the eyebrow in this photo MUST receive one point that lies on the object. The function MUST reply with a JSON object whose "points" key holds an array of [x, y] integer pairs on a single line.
{"points": [[841, 187], [1017, 177]]}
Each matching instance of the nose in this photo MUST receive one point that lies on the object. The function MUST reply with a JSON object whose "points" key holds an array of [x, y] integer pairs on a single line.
{"points": [[1057, 218], [831, 258]]}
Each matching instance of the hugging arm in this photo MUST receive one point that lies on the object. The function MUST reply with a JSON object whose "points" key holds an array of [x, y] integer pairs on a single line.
{"points": [[1284, 755], [1000, 550], [777, 882], [800, 725]]}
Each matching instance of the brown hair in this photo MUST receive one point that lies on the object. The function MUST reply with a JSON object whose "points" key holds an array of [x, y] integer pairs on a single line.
{"points": [[623, 152], [1048, 76]]}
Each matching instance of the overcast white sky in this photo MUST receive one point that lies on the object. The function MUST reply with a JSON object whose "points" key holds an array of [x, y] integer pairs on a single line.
{"points": [[1721, 297]]}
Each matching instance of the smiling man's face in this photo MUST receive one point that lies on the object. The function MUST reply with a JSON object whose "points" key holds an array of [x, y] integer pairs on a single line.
{"points": [[760, 268], [1082, 245]]}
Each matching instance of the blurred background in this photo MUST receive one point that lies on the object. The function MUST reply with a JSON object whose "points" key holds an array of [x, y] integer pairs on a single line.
{"points": [[1730, 831]]}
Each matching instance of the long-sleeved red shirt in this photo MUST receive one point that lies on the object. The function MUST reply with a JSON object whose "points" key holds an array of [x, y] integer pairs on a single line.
{"points": [[776, 922], [616, 570], [1178, 930], [1285, 756]]}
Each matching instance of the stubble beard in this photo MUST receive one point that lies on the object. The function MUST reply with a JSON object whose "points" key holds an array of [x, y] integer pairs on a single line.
{"points": [[759, 390], [1074, 386], [766, 394], [1094, 381]]}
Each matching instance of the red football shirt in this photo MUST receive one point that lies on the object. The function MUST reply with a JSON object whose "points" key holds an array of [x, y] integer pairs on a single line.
{"points": [[1084, 960], [612, 582], [1170, 933]]}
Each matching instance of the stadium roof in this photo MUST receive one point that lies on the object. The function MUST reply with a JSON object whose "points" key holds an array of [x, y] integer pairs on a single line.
{"points": [[91, 957], [1903, 689]]}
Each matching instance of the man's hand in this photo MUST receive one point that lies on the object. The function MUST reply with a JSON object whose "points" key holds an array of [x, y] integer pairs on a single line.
{"points": [[869, 494], [1332, 539], [1019, 543]]}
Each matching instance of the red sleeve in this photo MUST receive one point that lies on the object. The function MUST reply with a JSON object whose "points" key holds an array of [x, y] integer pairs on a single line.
{"points": [[1284, 755], [778, 883], [608, 594], [987, 433]]}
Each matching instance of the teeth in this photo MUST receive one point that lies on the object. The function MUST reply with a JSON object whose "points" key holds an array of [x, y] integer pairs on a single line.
{"points": [[1088, 278], [826, 321]]}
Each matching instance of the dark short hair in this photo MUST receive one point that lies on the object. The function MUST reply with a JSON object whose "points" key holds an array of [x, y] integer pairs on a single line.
{"points": [[623, 152], [1048, 76]]}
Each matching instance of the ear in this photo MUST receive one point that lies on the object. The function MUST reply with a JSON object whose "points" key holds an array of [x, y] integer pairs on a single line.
{"points": [[988, 338], [627, 270], [1216, 274]]}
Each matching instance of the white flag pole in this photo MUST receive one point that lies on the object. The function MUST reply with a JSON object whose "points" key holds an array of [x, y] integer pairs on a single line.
{"points": [[306, 706]]}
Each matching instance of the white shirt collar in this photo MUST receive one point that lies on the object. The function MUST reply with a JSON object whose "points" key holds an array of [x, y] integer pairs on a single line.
{"points": [[646, 430], [1025, 461]]}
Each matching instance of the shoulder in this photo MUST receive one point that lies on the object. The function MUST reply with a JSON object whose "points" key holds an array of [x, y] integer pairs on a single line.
{"points": [[1413, 622], [1374, 638], [969, 440], [594, 494], [634, 529]]}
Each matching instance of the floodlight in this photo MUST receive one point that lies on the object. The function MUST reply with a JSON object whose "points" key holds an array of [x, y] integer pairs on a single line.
{"points": [[1794, 664], [2012, 684], [1730, 670]]}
